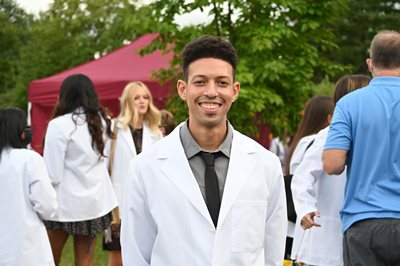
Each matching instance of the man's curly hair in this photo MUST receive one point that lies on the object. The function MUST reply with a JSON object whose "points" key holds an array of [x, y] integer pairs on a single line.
{"points": [[208, 47]]}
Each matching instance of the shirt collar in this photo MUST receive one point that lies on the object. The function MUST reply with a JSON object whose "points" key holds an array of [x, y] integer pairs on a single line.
{"points": [[385, 80], [191, 147]]}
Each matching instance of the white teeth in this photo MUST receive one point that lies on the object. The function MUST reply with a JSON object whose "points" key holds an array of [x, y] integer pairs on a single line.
{"points": [[209, 105]]}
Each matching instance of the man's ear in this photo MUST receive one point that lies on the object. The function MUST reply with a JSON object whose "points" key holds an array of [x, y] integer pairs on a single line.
{"points": [[369, 64], [181, 87], [236, 89]]}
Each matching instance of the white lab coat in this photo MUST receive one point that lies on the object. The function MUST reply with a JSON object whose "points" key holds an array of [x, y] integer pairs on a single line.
{"points": [[80, 178], [299, 152], [166, 221], [314, 190], [297, 157], [26, 196], [125, 151]]}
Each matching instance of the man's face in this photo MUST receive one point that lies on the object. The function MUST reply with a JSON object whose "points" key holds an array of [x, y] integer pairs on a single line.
{"points": [[208, 92]]}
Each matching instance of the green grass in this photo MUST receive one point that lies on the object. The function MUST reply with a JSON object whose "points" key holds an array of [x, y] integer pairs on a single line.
{"points": [[100, 255]]}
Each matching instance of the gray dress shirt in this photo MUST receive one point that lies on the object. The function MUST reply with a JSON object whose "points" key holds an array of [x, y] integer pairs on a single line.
{"points": [[197, 164]]}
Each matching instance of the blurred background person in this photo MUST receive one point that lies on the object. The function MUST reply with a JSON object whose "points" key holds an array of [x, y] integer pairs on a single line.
{"points": [[278, 147], [26, 195], [317, 112], [74, 152], [167, 122], [318, 197], [136, 129]]}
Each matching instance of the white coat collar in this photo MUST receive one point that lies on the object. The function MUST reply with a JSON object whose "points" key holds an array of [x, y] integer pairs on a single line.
{"points": [[148, 137], [177, 169]]}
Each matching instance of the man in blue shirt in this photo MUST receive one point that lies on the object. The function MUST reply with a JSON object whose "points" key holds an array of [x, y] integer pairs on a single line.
{"points": [[364, 134]]}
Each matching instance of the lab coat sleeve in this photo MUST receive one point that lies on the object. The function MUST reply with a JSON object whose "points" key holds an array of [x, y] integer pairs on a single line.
{"points": [[304, 181], [41, 193], [138, 229], [56, 143], [276, 222], [108, 145]]}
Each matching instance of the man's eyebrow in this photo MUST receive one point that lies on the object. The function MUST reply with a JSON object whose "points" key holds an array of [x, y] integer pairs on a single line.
{"points": [[198, 76], [217, 77]]}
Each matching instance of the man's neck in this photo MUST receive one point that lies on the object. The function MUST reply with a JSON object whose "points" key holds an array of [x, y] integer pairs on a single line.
{"points": [[386, 72], [209, 139]]}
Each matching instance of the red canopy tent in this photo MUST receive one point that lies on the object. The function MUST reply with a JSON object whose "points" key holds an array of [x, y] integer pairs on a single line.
{"points": [[109, 74]]}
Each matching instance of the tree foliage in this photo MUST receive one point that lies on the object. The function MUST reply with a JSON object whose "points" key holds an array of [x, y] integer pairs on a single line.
{"points": [[70, 33], [13, 35], [285, 47], [358, 25], [282, 47]]}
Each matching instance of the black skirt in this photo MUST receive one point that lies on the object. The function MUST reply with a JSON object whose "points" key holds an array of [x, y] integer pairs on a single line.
{"points": [[89, 228]]}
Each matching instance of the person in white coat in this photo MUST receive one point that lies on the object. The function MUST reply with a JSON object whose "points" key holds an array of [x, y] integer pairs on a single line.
{"points": [[76, 144], [26, 196], [318, 197], [137, 129], [316, 113], [173, 214]]}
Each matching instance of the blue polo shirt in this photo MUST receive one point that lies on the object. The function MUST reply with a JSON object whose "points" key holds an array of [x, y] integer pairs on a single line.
{"points": [[366, 122]]}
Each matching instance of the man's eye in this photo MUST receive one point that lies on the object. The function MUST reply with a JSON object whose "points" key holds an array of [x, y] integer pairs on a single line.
{"points": [[223, 83], [199, 82]]}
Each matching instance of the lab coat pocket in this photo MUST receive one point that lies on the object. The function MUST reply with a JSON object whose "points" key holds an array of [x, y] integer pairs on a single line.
{"points": [[248, 225]]}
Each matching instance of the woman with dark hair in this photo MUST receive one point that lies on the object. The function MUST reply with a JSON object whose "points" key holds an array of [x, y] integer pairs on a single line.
{"points": [[318, 197], [76, 144], [317, 114], [26, 195]]}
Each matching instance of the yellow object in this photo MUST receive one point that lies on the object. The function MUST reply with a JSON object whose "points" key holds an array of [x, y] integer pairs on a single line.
{"points": [[287, 263], [291, 263]]}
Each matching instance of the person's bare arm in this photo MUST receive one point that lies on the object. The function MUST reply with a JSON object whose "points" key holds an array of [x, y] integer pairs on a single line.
{"points": [[334, 161]]}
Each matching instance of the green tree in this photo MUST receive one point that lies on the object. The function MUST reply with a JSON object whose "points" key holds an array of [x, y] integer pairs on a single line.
{"points": [[358, 25], [13, 35], [70, 33], [282, 47]]}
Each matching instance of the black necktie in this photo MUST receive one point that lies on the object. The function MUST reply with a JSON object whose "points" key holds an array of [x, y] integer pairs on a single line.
{"points": [[213, 197]]}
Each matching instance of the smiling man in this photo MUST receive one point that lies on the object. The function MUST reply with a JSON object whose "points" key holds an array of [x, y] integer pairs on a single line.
{"points": [[205, 194]]}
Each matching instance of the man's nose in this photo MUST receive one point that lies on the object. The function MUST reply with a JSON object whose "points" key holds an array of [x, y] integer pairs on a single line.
{"points": [[212, 90]]}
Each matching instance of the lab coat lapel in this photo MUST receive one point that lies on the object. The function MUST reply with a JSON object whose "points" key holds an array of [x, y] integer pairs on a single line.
{"points": [[177, 169], [126, 136], [240, 167]]}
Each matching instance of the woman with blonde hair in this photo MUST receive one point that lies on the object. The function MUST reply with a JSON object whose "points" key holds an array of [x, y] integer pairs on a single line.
{"points": [[136, 129]]}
